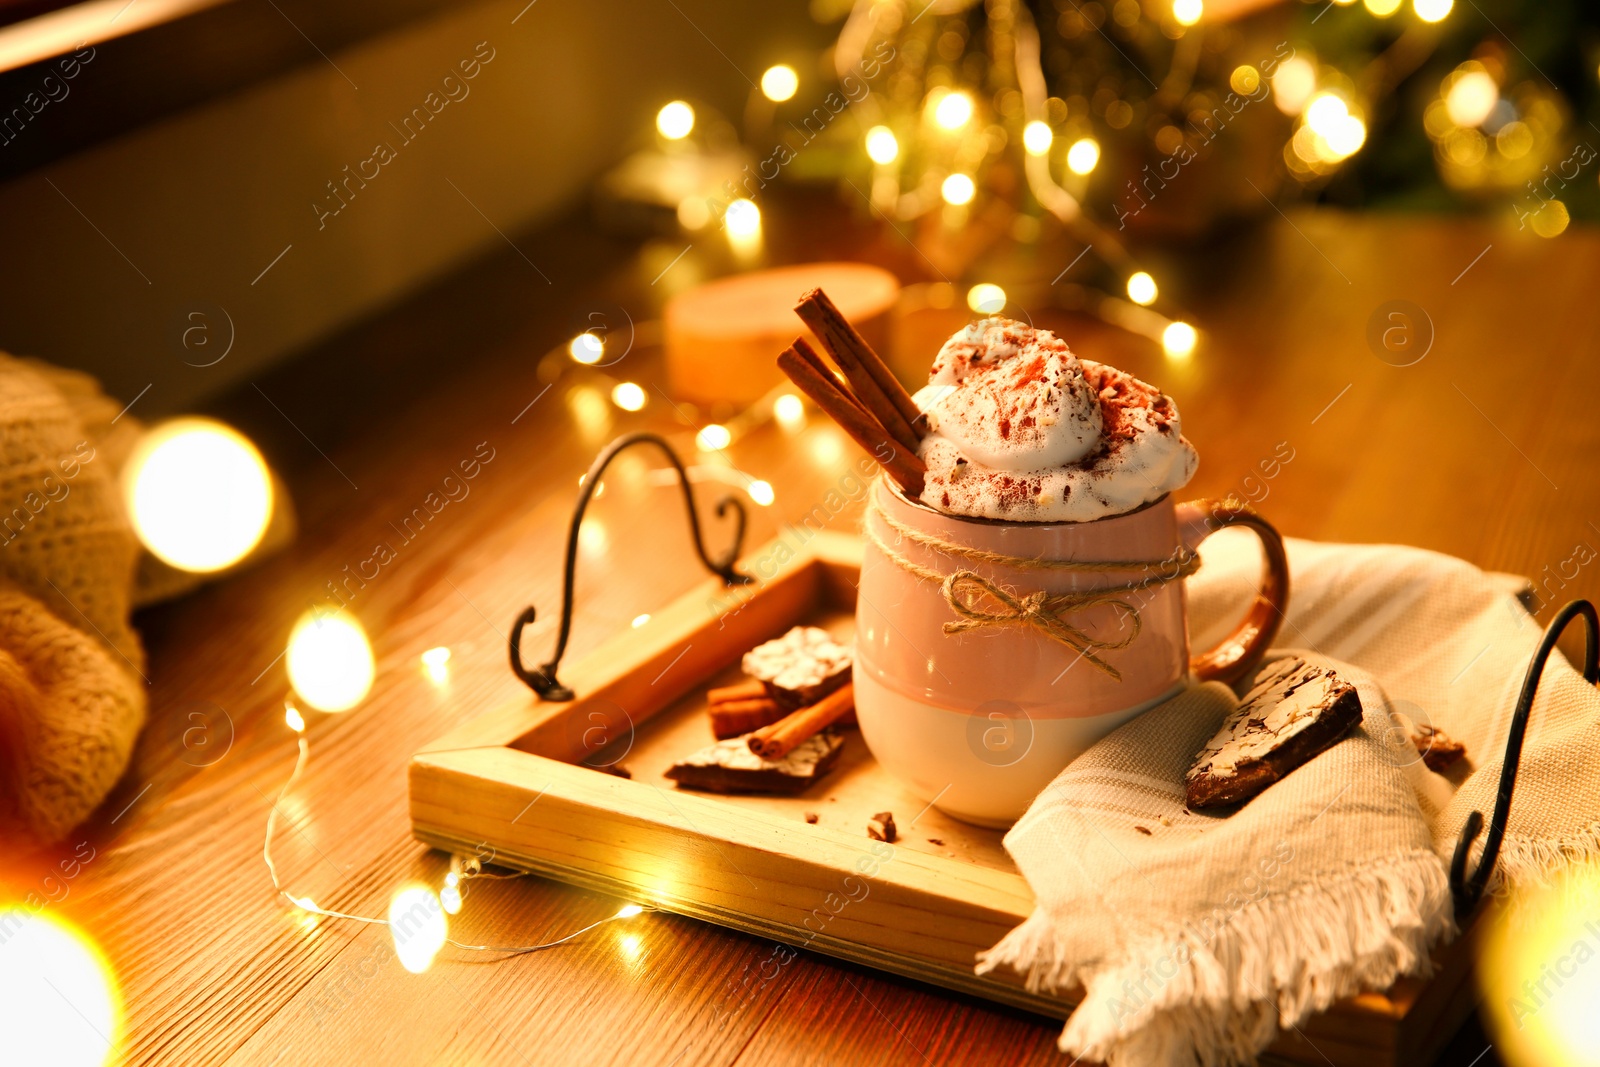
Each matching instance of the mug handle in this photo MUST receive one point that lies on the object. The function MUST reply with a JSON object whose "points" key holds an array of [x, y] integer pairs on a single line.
{"points": [[1241, 651]]}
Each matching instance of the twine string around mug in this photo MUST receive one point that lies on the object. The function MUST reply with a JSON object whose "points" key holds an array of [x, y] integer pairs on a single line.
{"points": [[979, 601]]}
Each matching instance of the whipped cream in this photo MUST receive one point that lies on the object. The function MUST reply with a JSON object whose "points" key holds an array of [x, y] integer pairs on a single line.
{"points": [[1023, 430]]}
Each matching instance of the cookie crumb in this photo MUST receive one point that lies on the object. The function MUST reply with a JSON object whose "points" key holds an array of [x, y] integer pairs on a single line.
{"points": [[1144, 830], [1166, 821], [935, 841], [811, 817], [881, 828]]}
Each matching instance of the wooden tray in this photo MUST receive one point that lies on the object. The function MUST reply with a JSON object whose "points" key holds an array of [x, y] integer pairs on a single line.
{"points": [[535, 782]]}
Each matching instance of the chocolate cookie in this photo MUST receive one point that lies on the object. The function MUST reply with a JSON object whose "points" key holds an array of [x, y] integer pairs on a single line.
{"points": [[730, 767], [801, 667], [1293, 712], [1439, 751]]}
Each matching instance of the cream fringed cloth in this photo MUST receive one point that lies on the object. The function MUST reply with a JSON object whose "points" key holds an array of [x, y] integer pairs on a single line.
{"points": [[72, 696], [1198, 941]]}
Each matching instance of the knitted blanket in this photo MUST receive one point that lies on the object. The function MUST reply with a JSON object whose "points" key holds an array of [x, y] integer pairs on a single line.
{"points": [[72, 691]]}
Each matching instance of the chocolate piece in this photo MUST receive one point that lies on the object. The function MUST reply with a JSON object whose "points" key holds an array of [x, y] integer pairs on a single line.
{"points": [[801, 667], [1293, 712], [730, 767], [881, 828], [811, 817], [935, 841], [1439, 750], [1145, 830]]}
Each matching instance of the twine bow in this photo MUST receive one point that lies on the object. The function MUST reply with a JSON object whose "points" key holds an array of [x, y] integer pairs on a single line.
{"points": [[981, 602], [965, 592]]}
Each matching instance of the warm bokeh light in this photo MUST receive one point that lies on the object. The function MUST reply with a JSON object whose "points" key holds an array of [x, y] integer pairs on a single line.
{"points": [[779, 83], [1382, 8], [1551, 220], [1141, 288], [1472, 96], [587, 348], [958, 189], [330, 661], [743, 218], [1178, 340], [882, 147], [761, 492], [640, 620], [1083, 156], [713, 438], [953, 111], [629, 396], [986, 298], [1244, 80], [1293, 83], [1539, 970], [789, 410], [59, 1003], [675, 120], [436, 664], [1037, 138], [199, 493], [628, 911], [418, 926], [1326, 112], [1432, 10], [1187, 12], [293, 718], [694, 213]]}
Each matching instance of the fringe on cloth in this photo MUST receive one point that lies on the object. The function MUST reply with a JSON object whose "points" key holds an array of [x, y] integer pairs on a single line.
{"points": [[1177, 998], [1538, 861]]}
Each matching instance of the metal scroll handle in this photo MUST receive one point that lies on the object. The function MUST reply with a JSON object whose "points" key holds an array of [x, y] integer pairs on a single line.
{"points": [[1468, 888], [542, 679], [1240, 651]]}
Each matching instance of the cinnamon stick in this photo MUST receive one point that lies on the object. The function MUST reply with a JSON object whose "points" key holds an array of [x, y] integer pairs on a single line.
{"points": [[818, 364], [748, 690], [735, 718], [901, 464], [875, 386], [776, 741]]}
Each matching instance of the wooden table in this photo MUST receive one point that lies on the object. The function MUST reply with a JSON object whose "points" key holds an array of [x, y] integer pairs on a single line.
{"points": [[1485, 448]]}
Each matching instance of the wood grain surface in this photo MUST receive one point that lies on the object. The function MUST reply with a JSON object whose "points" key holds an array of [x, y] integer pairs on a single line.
{"points": [[1485, 449]]}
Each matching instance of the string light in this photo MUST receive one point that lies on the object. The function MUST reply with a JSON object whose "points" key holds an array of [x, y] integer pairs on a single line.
{"points": [[882, 147], [1178, 340], [1382, 8], [779, 83], [1083, 155], [436, 663], [675, 120], [986, 298], [742, 222], [640, 620], [199, 494], [417, 917], [1472, 95], [58, 993], [1537, 972], [1432, 10], [713, 438], [761, 492], [789, 410], [629, 396], [292, 716], [953, 110], [958, 189], [330, 661], [587, 348], [1293, 83], [1187, 12], [1141, 288], [1551, 219], [1037, 138]]}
